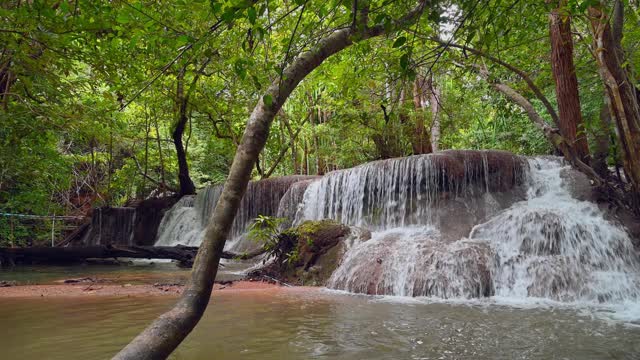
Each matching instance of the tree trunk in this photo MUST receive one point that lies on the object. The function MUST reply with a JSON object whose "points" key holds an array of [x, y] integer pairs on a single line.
{"points": [[58, 255], [160, 338], [620, 90], [601, 152], [51, 255], [564, 74], [186, 186], [420, 141], [434, 102]]}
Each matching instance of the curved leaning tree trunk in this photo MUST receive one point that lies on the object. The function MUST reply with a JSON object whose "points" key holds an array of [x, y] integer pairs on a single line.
{"points": [[160, 338]]}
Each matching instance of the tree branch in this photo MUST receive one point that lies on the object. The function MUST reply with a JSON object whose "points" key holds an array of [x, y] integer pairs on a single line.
{"points": [[538, 93], [160, 338]]}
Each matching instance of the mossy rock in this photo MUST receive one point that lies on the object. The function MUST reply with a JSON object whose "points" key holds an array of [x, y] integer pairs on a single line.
{"points": [[318, 251]]}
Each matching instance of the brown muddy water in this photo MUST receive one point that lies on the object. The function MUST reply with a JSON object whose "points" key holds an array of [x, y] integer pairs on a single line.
{"points": [[313, 324]]}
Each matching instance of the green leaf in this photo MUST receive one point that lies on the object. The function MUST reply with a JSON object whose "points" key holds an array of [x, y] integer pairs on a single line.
{"points": [[251, 15], [182, 40], [256, 82], [239, 66], [404, 61], [267, 100], [399, 42], [229, 14], [123, 18]]}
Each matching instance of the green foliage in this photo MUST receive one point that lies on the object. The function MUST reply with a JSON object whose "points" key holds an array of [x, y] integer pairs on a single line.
{"points": [[91, 104], [265, 230]]}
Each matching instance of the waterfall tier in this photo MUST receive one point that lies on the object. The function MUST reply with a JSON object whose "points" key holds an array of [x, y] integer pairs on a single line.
{"points": [[451, 189], [111, 226], [185, 222], [549, 245], [455, 224]]}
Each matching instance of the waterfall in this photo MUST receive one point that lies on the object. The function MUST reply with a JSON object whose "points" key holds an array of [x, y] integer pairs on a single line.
{"points": [[181, 224], [451, 189], [291, 202], [555, 246], [185, 222], [475, 224], [111, 225]]}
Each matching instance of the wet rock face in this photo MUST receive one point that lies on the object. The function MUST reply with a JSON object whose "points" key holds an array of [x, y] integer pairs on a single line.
{"points": [[580, 187], [133, 225], [111, 226], [149, 214], [291, 202], [186, 221], [415, 262]]}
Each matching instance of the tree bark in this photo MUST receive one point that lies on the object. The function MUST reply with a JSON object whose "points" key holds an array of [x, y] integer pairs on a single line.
{"points": [[186, 186], [434, 102], [564, 74], [420, 141], [160, 338], [625, 105]]}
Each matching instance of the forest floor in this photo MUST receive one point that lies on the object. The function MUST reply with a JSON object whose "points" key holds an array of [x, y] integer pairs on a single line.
{"points": [[82, 288]]}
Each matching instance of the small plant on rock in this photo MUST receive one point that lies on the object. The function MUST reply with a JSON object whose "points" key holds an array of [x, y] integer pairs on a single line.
{"points": [[276, 244]]}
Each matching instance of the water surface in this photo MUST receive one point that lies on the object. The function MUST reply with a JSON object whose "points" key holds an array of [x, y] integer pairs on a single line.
{"points": [[284, 324]]}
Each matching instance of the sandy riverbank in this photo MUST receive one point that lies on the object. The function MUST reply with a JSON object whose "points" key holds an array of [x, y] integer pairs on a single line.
{"points": [[100, 289]]}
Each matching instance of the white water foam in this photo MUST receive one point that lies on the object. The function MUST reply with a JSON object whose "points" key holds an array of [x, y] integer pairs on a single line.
{"points": [[548, 250]]}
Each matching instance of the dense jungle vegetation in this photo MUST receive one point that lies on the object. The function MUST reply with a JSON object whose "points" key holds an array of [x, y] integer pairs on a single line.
{"points": [[106, 102]]}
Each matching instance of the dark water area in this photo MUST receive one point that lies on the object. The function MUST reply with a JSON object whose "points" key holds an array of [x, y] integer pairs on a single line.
{"points": [[135, 273], [309, 324]]}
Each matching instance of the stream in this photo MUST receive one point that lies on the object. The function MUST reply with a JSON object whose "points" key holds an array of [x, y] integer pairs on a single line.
{"points": [[319, 324]]}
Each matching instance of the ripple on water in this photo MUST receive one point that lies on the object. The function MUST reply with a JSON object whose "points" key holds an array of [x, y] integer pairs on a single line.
{"points": [[319, 325]]}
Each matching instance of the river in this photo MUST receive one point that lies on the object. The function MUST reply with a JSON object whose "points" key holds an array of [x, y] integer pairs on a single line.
{"points": [[320, 324]]}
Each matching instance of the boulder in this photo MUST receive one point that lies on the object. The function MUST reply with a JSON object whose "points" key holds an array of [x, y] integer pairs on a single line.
{"points": [[313, 250], [580, 187]]}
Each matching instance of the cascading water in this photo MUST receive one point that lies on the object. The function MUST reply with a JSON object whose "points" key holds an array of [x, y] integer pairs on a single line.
{"points": [[554, 246], [291, 202], [541, 243], [453, 190], [185, 222], [181, 225], [111, 226]]}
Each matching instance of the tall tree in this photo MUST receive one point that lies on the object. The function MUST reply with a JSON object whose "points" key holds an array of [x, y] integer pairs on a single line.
{"points": [[420, 141], [182, 100], [186, 186], [434, 103], [625, 107], [566, 80]]}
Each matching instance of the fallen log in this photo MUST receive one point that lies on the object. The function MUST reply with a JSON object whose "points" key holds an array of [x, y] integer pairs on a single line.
{"points": [[61, 255]]}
